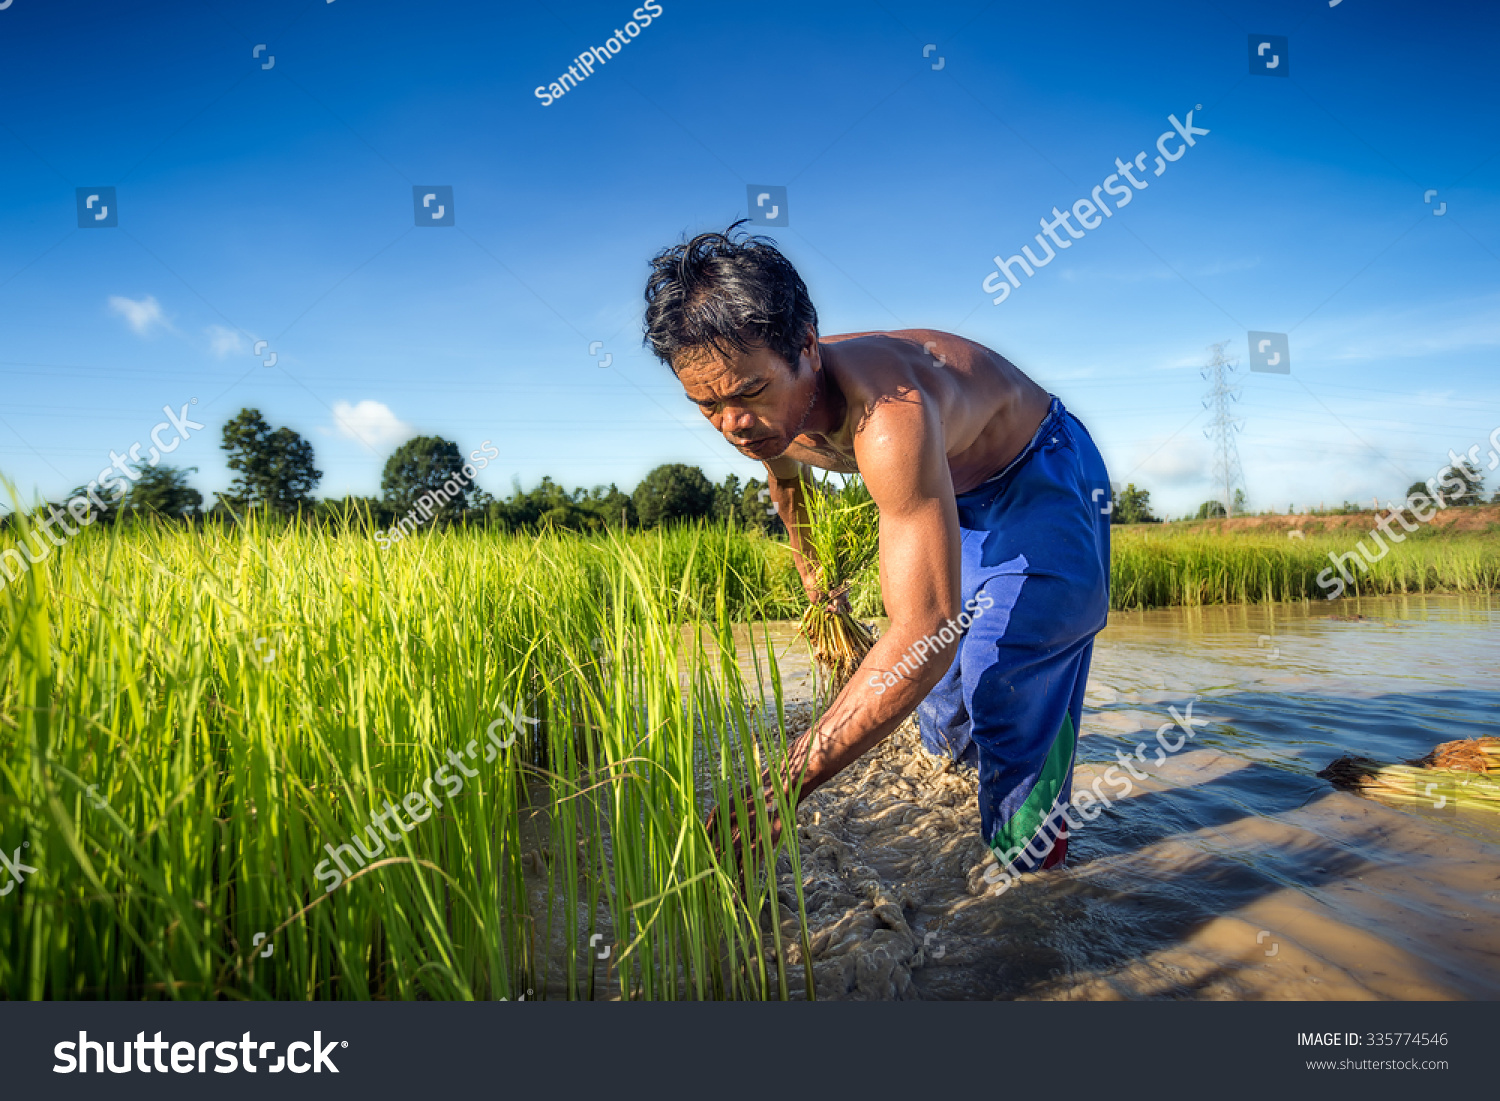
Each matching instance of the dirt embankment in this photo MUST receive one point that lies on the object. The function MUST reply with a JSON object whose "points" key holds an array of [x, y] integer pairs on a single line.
{"points": [[1476, 518]]}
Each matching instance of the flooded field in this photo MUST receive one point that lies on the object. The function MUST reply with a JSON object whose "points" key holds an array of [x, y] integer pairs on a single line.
{"points": [[1232, 871]]}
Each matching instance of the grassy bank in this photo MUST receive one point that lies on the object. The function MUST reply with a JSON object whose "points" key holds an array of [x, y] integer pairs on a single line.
{"points": [[1157, 565]]}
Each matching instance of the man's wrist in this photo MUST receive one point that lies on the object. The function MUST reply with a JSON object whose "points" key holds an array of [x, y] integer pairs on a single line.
{"points": [[798, 772]]}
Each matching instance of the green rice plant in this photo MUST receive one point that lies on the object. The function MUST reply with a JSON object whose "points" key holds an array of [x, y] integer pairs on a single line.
{"points": [[843, 534], [193, 722], [190, 720], [757, 575]]}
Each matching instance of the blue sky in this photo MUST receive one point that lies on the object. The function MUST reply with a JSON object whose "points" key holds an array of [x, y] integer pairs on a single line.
{"points": [[276, 204]]}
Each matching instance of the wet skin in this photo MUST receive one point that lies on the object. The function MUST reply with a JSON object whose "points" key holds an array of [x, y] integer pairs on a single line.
{"points": [[921, 415]]}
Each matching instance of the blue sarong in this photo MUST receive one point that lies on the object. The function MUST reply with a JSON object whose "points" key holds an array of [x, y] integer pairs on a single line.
{"points": [[1035, 541]]}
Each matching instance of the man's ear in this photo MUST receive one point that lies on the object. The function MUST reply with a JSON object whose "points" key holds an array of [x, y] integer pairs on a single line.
{"points": [[809, 350]]}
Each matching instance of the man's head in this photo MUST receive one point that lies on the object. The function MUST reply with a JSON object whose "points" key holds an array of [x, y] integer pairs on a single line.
{"points": [[733, 320]]}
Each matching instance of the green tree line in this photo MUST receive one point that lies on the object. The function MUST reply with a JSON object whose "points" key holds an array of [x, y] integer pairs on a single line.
{"points": [[425, 478], [275, 477]]}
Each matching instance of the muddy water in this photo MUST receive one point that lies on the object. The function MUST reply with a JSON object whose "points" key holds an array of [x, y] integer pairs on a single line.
{"points": [[1231, 870]]}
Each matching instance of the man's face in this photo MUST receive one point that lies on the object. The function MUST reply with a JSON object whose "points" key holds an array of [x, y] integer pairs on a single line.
{"points": [[753, 399]]}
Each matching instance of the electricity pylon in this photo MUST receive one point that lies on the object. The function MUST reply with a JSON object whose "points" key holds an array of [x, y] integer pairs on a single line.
{"points": [[1222, 392]]}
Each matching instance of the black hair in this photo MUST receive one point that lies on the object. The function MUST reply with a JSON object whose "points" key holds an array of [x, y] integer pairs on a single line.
{"points": [[721, 293]]}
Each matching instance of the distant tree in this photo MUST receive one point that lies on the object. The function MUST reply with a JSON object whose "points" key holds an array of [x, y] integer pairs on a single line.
{"points": [[1469, 489], [1132, 506], [672, 493], [550, 505], [425, 465], [1241, 506], [726, 504], [158, 490], [1210, 510], [164, 491], [1472, 481], [274, 468], [524, 510], [106, 515], [570, 516], [755, 511], [1495, 500], [614, 509]]}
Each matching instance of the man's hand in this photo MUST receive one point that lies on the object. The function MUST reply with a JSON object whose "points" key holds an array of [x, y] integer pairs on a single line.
{"points": [[728, 833], [763, 821], [837, 601]]}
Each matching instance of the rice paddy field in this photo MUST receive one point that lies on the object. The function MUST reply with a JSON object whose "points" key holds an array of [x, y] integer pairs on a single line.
{"points": [[287, 763], [190, 718]]}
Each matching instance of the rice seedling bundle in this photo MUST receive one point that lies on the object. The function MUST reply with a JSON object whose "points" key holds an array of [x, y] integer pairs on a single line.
{"points": [[843, 534], [1464, 755], [1463, 774]]}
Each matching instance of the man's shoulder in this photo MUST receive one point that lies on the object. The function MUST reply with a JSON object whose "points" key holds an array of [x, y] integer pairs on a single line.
{"points": [[894, 425], [885, 383]]}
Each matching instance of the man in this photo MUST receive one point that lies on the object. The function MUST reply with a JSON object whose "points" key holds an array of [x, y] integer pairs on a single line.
{"points": [[994, 533]]}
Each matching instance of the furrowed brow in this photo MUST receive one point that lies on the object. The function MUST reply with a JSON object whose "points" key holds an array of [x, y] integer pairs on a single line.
{"points": [[743, 388]]}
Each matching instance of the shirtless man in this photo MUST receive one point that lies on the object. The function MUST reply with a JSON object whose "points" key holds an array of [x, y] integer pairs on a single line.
{"points": [[994, 528]]}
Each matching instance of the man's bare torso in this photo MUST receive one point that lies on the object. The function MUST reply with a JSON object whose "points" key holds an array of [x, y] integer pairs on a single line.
{"points": [[988, 408]]}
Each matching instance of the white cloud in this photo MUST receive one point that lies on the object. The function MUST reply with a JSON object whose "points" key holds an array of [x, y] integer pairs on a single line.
{"points": [[223, 342], [1184, 460], [370, 422], [141, 316]]}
